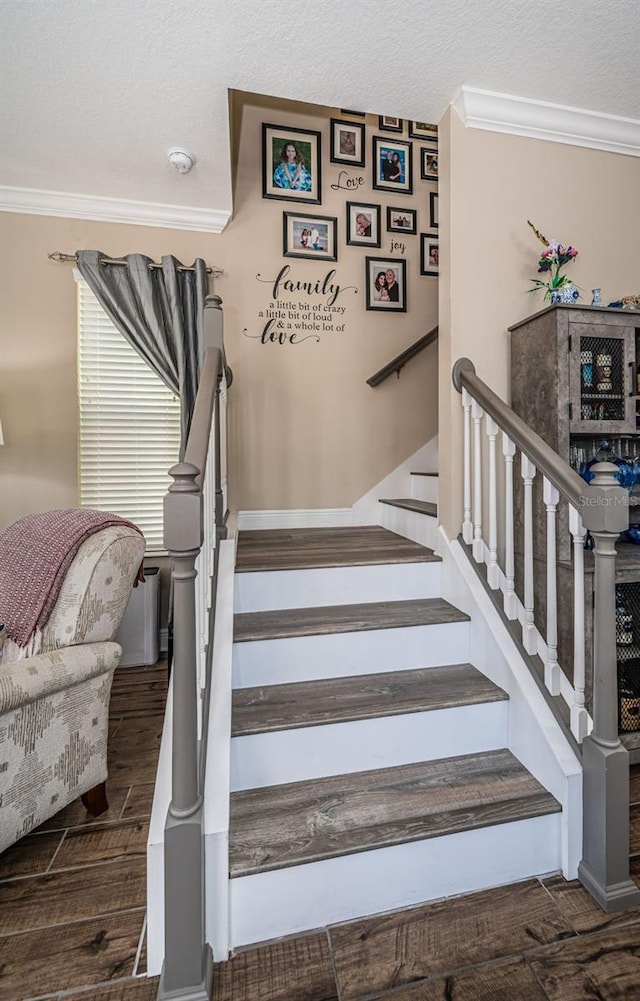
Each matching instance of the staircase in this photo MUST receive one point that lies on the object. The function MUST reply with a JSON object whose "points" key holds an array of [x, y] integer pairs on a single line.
{"points": [[370, 767], [416, 516]]}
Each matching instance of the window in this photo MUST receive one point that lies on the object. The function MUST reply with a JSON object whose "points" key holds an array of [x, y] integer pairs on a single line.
{"points": [[129, 424]]}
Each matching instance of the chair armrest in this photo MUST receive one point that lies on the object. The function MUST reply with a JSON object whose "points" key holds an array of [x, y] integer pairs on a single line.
{"points": [[27, 680]]}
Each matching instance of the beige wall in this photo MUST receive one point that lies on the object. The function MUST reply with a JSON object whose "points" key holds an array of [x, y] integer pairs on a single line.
{"points": [[490, 184], [306, 431]]}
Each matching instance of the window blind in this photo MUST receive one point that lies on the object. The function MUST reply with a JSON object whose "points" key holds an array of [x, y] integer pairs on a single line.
{"points": [[129, 424]]}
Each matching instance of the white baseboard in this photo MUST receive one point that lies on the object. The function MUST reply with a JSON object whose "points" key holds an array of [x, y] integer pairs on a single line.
{"points": [[364, 511], [328, 517]]}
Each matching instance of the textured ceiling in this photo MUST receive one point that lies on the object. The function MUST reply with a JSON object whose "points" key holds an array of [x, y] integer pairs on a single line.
{"points": [[94, 92]]}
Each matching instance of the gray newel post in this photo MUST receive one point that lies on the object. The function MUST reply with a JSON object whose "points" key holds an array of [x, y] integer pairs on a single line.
{"points": [[187, 970], [604, 869]]}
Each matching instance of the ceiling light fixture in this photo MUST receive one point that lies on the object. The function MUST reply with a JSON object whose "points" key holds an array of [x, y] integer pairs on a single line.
{"points": [[181, 159]]}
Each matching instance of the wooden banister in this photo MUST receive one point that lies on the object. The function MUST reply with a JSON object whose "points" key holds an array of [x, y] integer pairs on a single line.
{"points": [[402, 359]]}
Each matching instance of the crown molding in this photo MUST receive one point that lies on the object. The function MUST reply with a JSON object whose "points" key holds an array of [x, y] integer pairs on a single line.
{"points": [[520, 116], [33, 201]]}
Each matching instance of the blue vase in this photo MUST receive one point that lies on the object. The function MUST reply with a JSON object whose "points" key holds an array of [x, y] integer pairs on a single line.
{"points": [[566, 294]]}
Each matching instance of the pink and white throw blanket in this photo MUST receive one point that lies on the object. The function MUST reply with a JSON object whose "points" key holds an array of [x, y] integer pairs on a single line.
{"points": [[35, 554]]}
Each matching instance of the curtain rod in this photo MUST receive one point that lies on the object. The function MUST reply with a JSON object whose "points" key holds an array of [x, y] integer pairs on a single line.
{"points": [[63, 258]]}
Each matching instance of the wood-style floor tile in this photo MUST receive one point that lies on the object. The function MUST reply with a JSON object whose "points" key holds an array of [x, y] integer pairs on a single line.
{"points": [[512, 981], [69, 956], [133, 751], [140, 989], [581, 910], [139, 800], [30, 855], [634, 784], [125, 676], [102, 843], [75, 814], [305, 548], [290, 970], [138, 697], [141, 966], [70, 895], [381, 953], [604, 966]]}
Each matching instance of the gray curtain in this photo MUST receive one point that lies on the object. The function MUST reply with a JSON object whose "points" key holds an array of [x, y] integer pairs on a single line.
{"points": [[160, 311]]}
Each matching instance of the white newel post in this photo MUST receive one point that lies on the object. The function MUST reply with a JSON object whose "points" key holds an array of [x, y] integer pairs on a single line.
{"points": [[478, 544], [551, 667], [529, 637], [510, 602]]}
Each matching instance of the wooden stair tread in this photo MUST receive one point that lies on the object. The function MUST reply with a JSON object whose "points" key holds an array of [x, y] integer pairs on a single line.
{"points": [[310, 548], [338, 700], [249, 626], [301, 822], [411, 504]]}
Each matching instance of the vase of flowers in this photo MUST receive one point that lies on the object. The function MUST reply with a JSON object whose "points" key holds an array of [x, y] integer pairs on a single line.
{"points": [[557, 286]]}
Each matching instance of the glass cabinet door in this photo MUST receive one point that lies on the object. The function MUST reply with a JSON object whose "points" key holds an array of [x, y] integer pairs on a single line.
{"points": [[602, 379]]}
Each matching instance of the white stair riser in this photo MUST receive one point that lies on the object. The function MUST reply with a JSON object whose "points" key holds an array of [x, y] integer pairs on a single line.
{"points": [[424, 488], [336, 655], [274, 589], [313, 752], [420, 528], [285, 901]]}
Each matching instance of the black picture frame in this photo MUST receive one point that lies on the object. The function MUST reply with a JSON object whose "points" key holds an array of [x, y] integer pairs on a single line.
{"points": [[427, 131], [350, 111], [395, 216], [294, 227], [383, 155], [373, 267], [387, 124], [355, 235], [308, 144], [429, 254], [343, 133], [433, 209], [429, 163]]}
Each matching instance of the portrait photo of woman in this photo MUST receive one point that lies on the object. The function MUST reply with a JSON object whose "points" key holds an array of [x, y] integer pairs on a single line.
{"points": [[381, 293]]}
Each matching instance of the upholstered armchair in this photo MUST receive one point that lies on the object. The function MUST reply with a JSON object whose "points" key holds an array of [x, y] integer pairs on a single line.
{"points": [[54, 692]]}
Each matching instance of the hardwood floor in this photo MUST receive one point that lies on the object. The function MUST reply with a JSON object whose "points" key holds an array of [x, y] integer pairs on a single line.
{"points": [[72, 915], [73, 892]]}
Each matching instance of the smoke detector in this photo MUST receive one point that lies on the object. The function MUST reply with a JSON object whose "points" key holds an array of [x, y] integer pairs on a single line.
{"points": [[181, 159]]}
